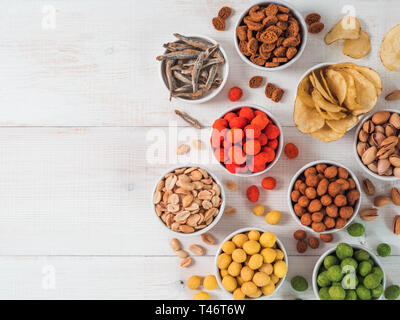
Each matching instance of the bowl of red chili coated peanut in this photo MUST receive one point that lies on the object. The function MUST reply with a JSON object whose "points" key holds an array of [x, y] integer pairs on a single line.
{"points": [[270, 35]]}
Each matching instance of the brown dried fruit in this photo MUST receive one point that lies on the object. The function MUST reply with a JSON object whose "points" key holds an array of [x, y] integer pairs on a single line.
{"points": [[218, 23], [316, 27], [224, 13], [269, 89], [301, 246], [369, 187], [277, 94], [255, 82], [313, 242], [312, 17], [326, 237], [300, 235]]}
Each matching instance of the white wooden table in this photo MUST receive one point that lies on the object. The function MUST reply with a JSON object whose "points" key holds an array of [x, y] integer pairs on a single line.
{"points": [[80, 100]]}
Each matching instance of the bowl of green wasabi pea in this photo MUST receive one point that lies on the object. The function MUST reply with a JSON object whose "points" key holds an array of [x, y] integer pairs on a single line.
{"points": [[348, 272]]}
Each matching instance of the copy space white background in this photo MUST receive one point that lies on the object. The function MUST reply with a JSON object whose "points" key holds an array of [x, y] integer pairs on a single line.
{"points": [[77, 103]]}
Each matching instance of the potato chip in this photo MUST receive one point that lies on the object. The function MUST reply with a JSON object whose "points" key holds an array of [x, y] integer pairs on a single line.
{"points": [[337, 84], [351, 95], [344, 124], [326, 87], [326, 134], [307, 119], [347, 28], [357, 48], [366, 92], [390, 49], [303, 92], [317, 85], [372, 76], [324, 104]]}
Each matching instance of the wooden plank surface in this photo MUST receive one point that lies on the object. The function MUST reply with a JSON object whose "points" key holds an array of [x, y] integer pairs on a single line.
{"points": [[82, 110]]}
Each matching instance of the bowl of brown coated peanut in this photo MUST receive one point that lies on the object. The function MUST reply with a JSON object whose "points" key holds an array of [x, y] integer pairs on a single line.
{"points": [[270, 35], [324, 196], [188, 200]]}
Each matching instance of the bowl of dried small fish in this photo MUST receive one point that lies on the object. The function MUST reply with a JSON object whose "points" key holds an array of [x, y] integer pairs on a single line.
{"points": [[188, 200], [193, 69]]}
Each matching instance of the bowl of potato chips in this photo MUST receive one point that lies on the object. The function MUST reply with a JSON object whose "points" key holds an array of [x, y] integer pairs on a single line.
{"points": [[331, 97]]}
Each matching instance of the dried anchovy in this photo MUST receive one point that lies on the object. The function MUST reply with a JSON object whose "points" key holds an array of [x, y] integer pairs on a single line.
{"points": [[191, 61], [192, 121]]}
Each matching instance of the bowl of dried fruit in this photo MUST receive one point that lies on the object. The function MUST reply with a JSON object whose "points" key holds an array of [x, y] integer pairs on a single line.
{"points": [[188, 200], [246, 140], [270, 35], [251, 263], [193, 68], [331, 97], [348, 272], [377, 145], [324, 196]]}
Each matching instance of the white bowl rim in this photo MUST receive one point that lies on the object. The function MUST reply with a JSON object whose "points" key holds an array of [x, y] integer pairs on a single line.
{"points": [[302, 22], [213, 93], [229, 237], [373, 174], [300, 171], [216, 219], [329, 251], [280, 146]]}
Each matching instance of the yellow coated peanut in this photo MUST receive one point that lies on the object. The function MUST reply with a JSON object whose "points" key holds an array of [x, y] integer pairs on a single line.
{"points": [[228, 247], [268, 289], [261, 279], [280, 268], [193, 282], [239, 255], [268, 254], [267, 268], [234, 268], [273, 217], [251, 247], [254, 235], [256, 261], [246, 273], [239, 239], [258, 210], [201, 295], [238, 294], [224, 260], [249, 288], [210, 282], [229, 283], [268, 239]]}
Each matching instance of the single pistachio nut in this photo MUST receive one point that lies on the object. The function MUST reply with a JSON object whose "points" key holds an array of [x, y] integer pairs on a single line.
{"points": [[368, 187], [368, 126], [380, 117], [396, 224], [363, 136], [361, 147], [369, 214], [380, 129], [376, 139], [395, 196], [381, 201], [394, 95], [369, 155], [395, 120], [394, 160], [383, 166], [390, 130]]}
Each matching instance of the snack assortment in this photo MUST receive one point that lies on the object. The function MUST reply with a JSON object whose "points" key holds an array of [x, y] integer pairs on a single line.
{"points": [[269, 35], [324, 197], [330, 99], [187, 199], [251, 264], [349, 274], [245, 140], [191, 67], [378, 143]]}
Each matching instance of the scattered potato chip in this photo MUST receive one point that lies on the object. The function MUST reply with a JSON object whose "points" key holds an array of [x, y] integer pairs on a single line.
{"points": [[303, 92], [390, 49], [337, 84], [306, 119], [347, 28], [357, 48]]}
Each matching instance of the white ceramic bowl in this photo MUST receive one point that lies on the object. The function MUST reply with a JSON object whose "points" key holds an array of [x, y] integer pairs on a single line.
{"points": [[224, 71], [365, 168], [278, 151], [321, 260], [298, 173], [219, 251], [304, 32], [201, 231]]}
